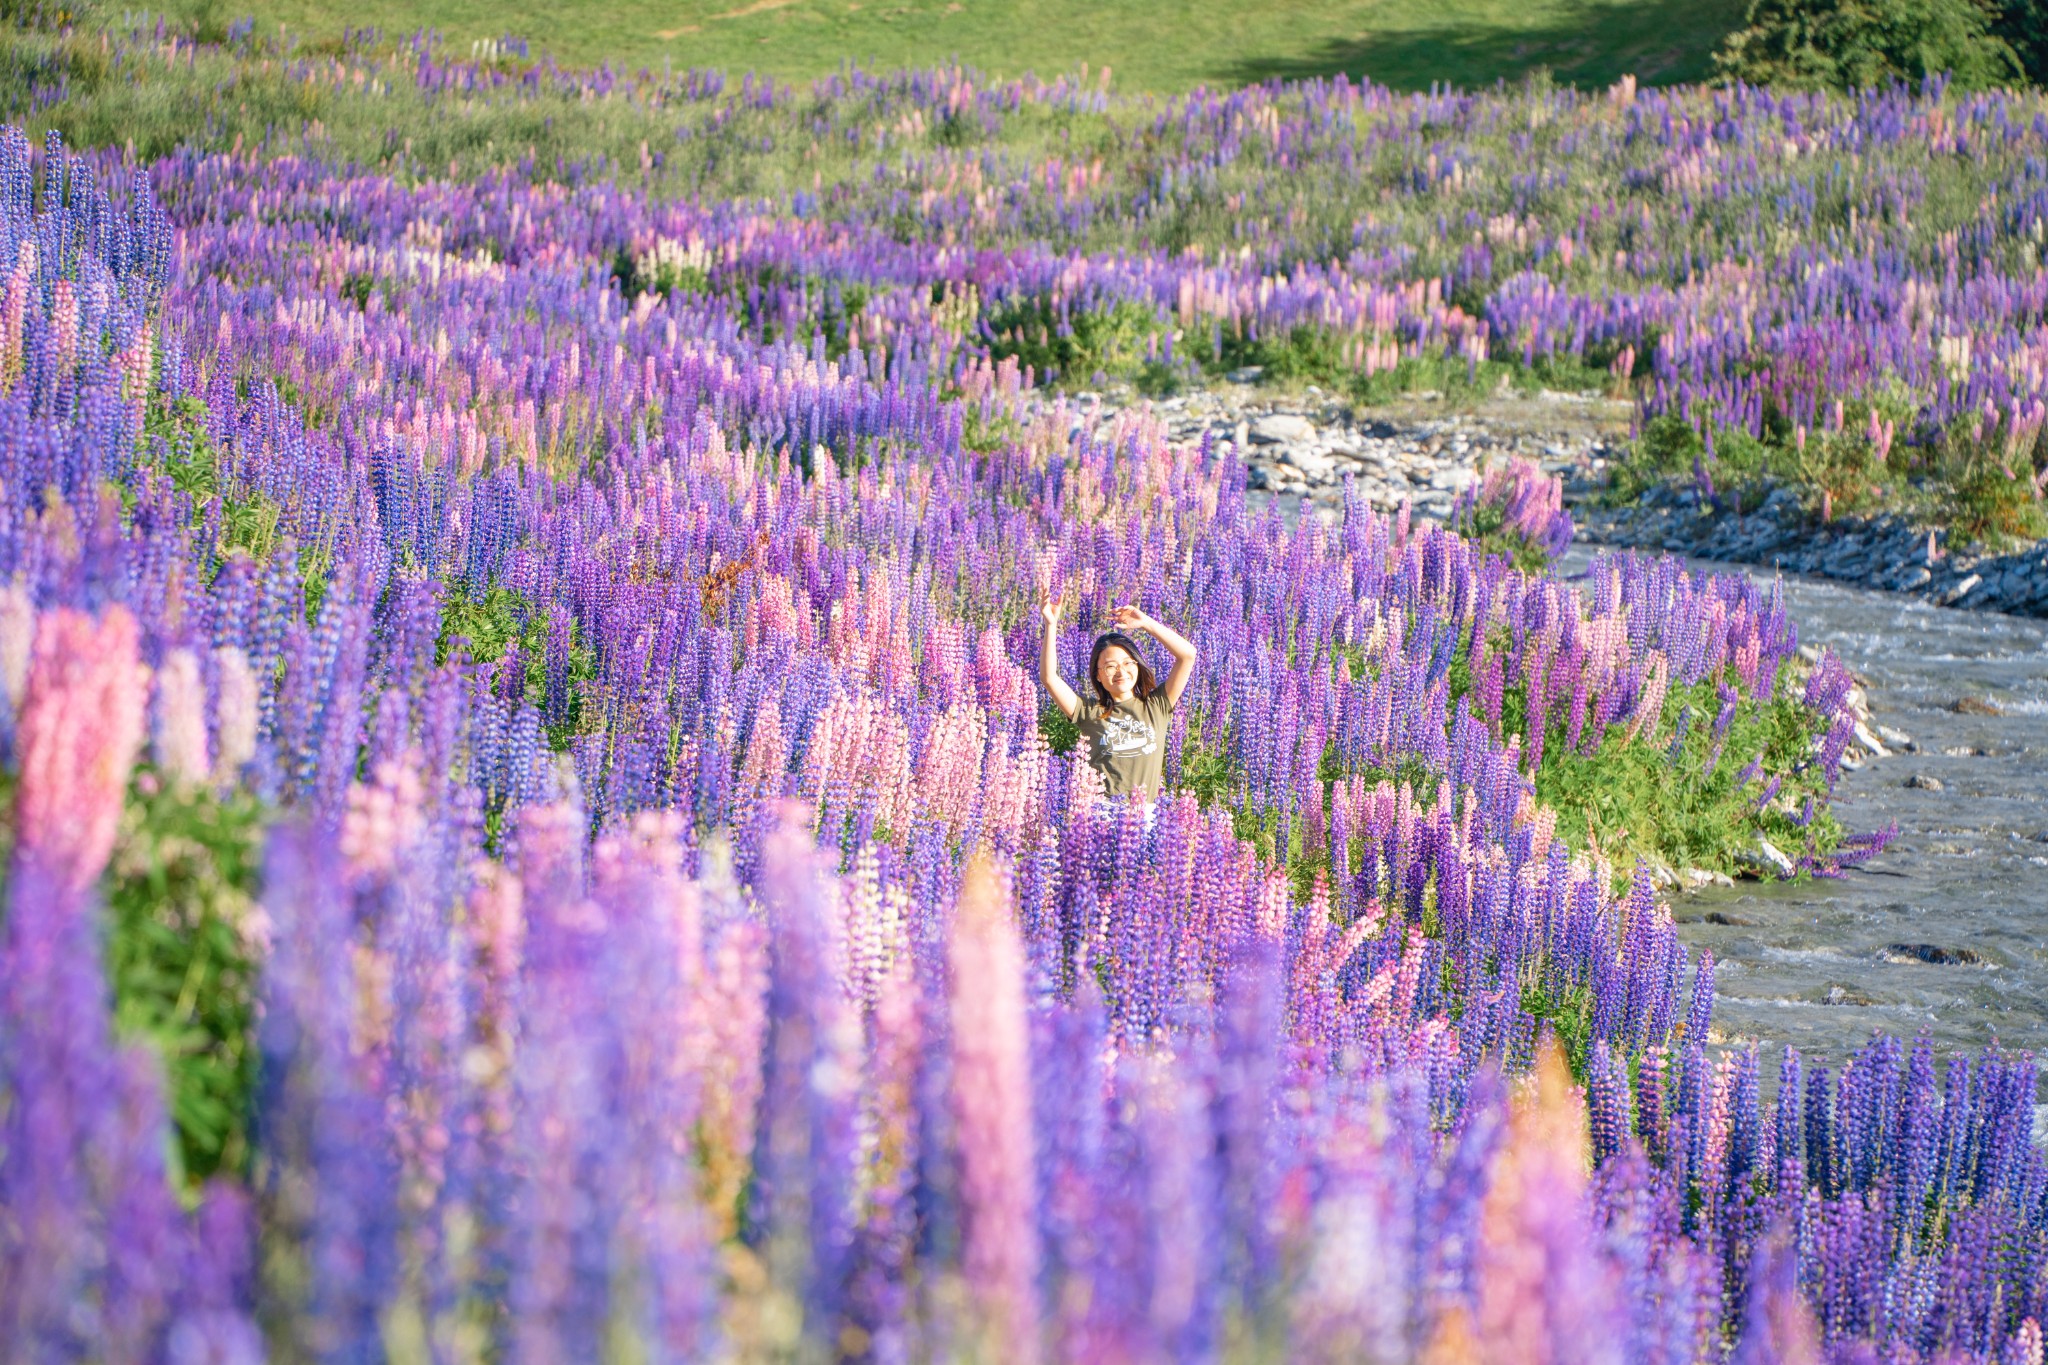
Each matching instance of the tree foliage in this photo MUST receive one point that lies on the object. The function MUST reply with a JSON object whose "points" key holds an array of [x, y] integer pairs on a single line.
{"points": [[2024, 24], [1858, 44]]}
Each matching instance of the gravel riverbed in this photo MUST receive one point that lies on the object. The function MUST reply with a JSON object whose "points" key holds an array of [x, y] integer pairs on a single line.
{"points": [[1300, 448]]}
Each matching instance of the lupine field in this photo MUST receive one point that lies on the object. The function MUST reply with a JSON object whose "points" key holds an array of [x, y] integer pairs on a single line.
{"points": [[536, 836]]}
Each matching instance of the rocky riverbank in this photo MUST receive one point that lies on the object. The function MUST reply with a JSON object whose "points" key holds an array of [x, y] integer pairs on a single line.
{"points": [[1299, 448], [1883, 552]]}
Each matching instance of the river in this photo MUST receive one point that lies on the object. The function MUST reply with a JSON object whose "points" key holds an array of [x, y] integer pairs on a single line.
{"points": [[1943, 932]]}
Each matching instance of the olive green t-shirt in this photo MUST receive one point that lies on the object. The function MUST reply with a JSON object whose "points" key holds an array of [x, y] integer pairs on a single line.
{"points": [[1126, 741]]}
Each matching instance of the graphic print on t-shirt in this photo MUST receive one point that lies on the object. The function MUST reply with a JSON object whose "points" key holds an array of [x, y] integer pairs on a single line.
{"points": [[1123, 733]]}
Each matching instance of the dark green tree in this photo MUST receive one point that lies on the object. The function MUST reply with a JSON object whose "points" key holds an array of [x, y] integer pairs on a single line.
{"points": [[2024, 24], [1857, 44]]}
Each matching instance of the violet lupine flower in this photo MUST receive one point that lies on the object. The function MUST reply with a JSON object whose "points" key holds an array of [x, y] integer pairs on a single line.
{"points": [[992, 1112], [653, 959], [799, 1211], [335, 1172]]}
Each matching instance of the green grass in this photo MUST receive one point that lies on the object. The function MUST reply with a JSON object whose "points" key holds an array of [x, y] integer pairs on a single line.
{"points": [[1148, 45], [1677, 802], [1672, 804], [183, 949]]}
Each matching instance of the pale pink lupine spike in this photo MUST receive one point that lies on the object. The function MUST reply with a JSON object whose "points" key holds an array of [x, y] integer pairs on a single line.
{"points": [[17, 640], [2025, 1347], [992, 1105], [181, 718], [79, 730], [237, 710]]}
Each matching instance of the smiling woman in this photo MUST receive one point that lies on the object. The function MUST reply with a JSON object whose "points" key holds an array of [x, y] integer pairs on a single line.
{"points": [[1125, 723]]}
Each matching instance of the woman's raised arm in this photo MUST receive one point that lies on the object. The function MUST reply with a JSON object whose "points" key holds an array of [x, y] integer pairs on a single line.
{"points": [[1049, 658], [1178, 645]]}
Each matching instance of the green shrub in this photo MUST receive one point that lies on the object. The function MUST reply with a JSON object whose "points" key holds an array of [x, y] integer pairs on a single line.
{"points": [[1663, 803], [1061, 734], [175, 444], [49, 16], [2024, 24], [1859, 44], [1990, 502], [1071, 342], [485, 628], [183, 949], [1966, 480], [1486, 530], [1302, 355]]}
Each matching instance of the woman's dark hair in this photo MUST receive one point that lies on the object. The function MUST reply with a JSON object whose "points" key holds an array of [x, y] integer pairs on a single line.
{"points": [[1147, 684]]}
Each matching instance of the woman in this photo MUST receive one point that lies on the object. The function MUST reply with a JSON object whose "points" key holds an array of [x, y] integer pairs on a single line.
{"points": [[1125, 726]]}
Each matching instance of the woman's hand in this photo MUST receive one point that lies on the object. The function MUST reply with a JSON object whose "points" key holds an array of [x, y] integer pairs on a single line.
{"points": [[1178, 645], [1063, 696]]}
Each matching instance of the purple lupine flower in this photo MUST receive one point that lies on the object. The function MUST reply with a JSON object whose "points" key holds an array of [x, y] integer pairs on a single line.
{"points": [[1777, 1324]]}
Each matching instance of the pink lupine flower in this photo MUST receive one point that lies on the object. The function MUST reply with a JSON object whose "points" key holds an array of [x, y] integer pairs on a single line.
{"points": [[14, 296], [1650, 702], [79, 728], [1543, 1294], [384, 818], [2025, 1346], [181, 718], [992, 1106], [237, 713], [17, 641], [767, 758], [497, 931], [949, 773], [64, 318]]}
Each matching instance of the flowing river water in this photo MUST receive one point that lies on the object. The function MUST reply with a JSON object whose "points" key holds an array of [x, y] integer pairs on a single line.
{"points": [[1946, 931]]}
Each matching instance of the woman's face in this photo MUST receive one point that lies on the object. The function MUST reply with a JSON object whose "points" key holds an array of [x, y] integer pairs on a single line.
{"points": [[1116, 672]]}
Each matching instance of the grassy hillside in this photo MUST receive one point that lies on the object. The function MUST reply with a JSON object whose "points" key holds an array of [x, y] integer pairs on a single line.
{"points": [[1157, 45]]}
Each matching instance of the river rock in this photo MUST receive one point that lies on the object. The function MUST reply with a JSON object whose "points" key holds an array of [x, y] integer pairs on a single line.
{"points": [[1934, 955], [1315, 465], [1925, 783], [1282, 428], [1768, 855]]}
